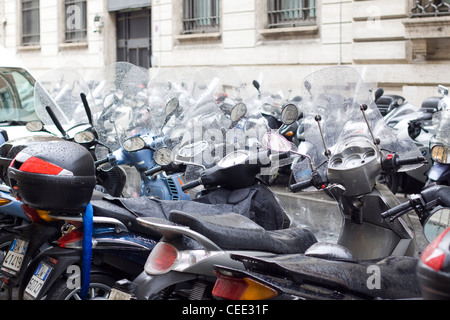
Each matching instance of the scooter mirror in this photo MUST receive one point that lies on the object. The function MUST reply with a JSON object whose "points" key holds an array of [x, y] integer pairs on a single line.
{"points": [[289, 114], [171, 106], [34, 126], [163, 156], [84, 137], [436, 223], [133, 144], [238, 112], [276, 142]]}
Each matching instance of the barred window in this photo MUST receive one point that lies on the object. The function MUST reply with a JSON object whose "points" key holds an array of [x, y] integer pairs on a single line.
{"points": [[200, 16], [430, 8], [76, 20], [291, 13], [30, 23]]}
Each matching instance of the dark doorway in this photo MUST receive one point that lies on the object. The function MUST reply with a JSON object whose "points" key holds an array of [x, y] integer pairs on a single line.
{"points": [[134, 37]]}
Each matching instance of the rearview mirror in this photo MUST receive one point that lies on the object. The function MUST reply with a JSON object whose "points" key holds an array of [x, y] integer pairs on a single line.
{"points": [[133, 144], [289, 114], [436, 223], [83, 137], [34, 126], [238, 112]]}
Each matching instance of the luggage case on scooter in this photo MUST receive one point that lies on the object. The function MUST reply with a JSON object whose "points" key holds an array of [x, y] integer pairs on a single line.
{"points": [[59, 176]]}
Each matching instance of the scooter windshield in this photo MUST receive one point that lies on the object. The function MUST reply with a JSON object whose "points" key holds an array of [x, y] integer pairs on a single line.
{"points": [[213, 118], [335, 95], [60, 89], [441, 124], [120, 90]]}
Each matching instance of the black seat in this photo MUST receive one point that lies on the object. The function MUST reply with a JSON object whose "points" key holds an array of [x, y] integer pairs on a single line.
{"points": [[232, 231]]}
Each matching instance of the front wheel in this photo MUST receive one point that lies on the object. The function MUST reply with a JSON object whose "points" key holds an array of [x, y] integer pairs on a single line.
{"points": [[100, 287]]}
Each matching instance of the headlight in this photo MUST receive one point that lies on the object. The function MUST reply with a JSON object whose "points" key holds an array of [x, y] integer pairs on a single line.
{"points": [[439, 153]]}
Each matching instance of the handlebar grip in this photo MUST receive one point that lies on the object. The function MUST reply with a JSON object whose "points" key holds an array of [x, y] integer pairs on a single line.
{"points": [[404, 207], [192, 184], [102, 161], [301, 185], [153, 170], [407, 161]]}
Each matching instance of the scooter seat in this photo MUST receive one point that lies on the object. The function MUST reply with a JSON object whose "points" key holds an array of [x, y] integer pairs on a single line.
{"points": [[232, 231]]}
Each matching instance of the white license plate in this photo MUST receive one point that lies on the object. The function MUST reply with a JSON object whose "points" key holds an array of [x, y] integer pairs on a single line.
{"points": [[119, 295], [14, 257], [38, 279]]}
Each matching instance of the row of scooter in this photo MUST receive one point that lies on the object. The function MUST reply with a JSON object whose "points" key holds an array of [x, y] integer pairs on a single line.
{"points": [[205, 224]]}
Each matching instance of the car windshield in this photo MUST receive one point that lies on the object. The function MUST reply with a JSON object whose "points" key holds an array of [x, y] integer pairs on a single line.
{"points": [[16, 95]]}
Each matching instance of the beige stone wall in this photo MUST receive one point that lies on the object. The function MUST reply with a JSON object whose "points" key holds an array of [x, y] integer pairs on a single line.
{"points": [[404, 55]]}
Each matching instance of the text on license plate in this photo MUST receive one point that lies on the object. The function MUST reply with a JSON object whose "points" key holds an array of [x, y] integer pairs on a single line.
{"points": [[16, 252], [38, 279]]}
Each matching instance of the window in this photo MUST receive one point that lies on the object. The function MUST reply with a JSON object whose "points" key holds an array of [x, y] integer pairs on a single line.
{"points": [[291, 13], [200, 16], [16, 95], [75, 22], [30, 22], [427, 8]]}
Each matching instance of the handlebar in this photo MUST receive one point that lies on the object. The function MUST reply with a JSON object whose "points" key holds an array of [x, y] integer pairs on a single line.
{"points": [[301, 185], [153, 170], [416, 160], [191, 184]]}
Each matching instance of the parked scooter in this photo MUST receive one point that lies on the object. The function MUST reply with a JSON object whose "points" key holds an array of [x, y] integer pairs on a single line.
{"points": [[439, 172], [327, 274], [354, 158], [119, 249]]}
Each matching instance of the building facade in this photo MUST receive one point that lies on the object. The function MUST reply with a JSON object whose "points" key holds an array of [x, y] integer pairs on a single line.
{"points": [[402, 45]]}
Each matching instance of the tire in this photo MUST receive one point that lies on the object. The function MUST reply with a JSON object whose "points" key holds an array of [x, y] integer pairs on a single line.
{"points": [[100, 287]]}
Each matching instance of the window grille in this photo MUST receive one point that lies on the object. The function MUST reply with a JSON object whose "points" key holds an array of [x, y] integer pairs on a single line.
{"points": [[30, 22], [200, 16], [291, 13], [76, 21], [430, 8]]}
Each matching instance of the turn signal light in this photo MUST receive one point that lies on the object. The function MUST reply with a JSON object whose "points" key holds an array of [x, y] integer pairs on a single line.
{"points": [[234, 288], [71, 239], [4, 201], [439, 154], [162, 259], [433, 256]]}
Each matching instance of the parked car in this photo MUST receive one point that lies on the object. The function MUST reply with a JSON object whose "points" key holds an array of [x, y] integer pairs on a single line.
{"points": [[16, 96]]}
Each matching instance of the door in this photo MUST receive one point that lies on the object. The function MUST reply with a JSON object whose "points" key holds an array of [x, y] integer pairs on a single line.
{"points": [[134, 42]]}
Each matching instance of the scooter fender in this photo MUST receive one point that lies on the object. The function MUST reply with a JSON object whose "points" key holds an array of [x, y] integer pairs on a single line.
{"points": [[147, 286], [439, 172], [59, 259]]}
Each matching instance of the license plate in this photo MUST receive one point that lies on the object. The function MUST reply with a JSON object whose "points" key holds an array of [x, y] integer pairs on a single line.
{"points": [[14, 257], [38, 279], [119, 295]]}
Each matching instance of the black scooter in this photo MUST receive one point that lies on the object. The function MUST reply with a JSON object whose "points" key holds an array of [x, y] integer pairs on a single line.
{"points": [[330, 272]]}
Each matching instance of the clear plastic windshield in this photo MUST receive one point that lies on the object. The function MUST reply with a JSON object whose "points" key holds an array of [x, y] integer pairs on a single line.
{"points": [[120, 91], [61, 89], [336, 95], [441, 123], [213, 119]]}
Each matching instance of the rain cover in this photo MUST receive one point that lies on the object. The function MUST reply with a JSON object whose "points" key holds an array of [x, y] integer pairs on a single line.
{"points": [[336, 94]]}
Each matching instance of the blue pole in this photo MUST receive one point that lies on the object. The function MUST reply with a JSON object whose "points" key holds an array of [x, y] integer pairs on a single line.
{"points": [[88, 222]]}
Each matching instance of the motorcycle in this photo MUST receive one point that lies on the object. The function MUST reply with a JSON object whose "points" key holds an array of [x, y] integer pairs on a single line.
{"points": [[439, 172], [325, 275], [349, 154], [121, 245]]}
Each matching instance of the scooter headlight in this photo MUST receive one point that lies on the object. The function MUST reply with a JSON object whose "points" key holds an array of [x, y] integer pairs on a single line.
{"points": [[440, 153]]}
